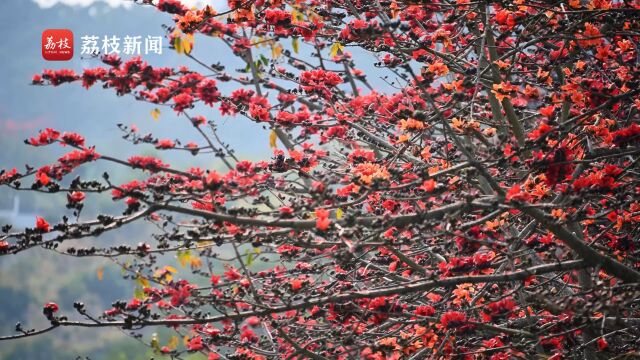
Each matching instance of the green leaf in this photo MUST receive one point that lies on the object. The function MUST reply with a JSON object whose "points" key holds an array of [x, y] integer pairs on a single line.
{"points": [[155, 114], [142, 281], [258, 66], [336, 49], [264, 59], [297, 15], [183, 257], [276, 50], [249, 258], [177, 44], [187, 44], [155, 344], [138, 293], [173, 343], [295, 44], [123, 269]]}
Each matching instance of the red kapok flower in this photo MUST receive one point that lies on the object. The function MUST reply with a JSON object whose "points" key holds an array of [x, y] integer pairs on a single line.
{"points": [[453, 319], [49, 309], [208, 92], [172, 7], [319, 81], [43, 178], [51, 306], [215, 279], [8, 176], [323, 223], [195, 344], [213, 180], [42, 224], [182, 101], [428, 185], [626, 135], [147, 163], [501, 307], [165, 144], [517, 193], [46, 136], [322, 213], [559, 166], [75, 196], [253, 321], [322, 219], [232, 274], [74, 139], [602, 344], [296, 284], [425, 310]]}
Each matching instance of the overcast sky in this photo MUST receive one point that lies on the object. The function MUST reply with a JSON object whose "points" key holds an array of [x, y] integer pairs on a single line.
{"points": [[116, 3]]}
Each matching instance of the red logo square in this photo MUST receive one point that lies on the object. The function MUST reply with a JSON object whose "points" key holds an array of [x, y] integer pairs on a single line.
{"points": [[57, 44]]}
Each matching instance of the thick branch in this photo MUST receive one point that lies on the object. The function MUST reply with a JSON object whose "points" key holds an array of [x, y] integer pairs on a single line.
{"points": [[339, 298]]}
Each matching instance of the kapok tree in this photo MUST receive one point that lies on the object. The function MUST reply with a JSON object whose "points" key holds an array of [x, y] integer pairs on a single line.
{"points": [[483, 205]]}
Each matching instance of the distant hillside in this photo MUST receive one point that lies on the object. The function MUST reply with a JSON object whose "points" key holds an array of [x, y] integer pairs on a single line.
{"points": [[36, 277]]}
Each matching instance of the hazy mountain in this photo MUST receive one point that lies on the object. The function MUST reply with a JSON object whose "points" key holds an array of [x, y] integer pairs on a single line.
{"points": [[32, 278]]}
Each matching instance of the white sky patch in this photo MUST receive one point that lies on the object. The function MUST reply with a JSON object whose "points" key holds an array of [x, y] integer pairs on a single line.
{"points": [[112, 3]]}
